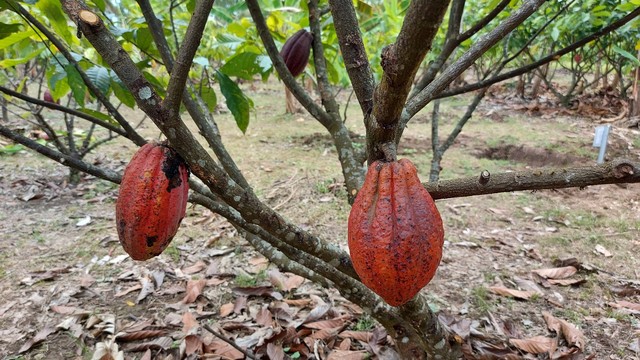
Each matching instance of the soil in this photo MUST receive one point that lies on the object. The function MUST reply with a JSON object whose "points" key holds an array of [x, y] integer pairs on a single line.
{"points": [[68, 289]]}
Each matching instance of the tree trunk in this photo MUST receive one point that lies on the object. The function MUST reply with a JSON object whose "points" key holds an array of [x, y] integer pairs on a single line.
{"points": [[5, 111], [520, 87], [291, 102], [635, 95]]}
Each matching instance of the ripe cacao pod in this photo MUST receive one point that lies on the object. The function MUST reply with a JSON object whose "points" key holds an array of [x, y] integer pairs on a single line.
{"points": [[395, 232], [152, 200], [48, 98], [296, 50]]}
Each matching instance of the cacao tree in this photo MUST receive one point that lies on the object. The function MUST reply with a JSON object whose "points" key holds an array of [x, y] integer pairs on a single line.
{"points": [[388, 100]]}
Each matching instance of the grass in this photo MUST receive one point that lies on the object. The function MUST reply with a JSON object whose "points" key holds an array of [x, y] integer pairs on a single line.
{"points": [[481, 299]]}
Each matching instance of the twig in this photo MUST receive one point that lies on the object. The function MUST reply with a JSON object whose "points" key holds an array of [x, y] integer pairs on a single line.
{"points": [[551, 57], [228, 341]]}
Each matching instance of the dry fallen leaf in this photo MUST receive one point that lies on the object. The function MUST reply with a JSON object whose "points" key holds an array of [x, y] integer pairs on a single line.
{"points": [[566, 282], [622, 304], [573, 335], [226, 309], [518, 294], [194, 289], [536, 345], [603, 251], [190, 323], [38, 338], [347, 355], [193, 345], [556, 273]]}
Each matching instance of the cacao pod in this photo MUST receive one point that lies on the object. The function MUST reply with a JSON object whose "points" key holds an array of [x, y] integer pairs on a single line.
{"points": [[152, 200], [296, 50], [48, 98], [395, 232]]}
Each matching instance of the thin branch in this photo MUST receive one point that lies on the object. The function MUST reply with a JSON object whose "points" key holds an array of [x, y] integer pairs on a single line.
{"points": [[451, 42], [201, 117], [61, 158], [468, 58], [328, 98], [224, 338], [617, 171], [484, 21], [554, 56], [354, 54], [64, 109], [133, 135], [305, 100], [180, 71]]}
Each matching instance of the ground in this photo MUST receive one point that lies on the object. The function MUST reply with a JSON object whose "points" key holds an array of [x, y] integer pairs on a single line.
{"points": [[67, 287]]}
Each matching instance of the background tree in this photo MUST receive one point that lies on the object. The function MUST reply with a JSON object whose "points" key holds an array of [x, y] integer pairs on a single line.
{"points": [[165, 64]]}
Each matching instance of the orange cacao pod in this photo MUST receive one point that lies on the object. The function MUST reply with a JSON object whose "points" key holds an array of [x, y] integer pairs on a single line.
{"points": [[395, 232], [296, 50], [152, 200]]}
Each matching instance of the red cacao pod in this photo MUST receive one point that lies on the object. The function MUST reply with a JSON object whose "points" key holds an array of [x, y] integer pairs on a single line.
{"points": [[296, 50], [395, 232], [152, 200], [48, 98]]}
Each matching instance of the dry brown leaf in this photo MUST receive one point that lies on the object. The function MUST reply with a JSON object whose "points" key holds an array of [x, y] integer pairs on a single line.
{"points": [[566, 282], [224, 350], [345, 344], [257, 291], [194, 289], [226, 309], [195, 268], [536, 344], [623, 290], [603, 251], [357, 335], [298, 302], [573, 335], [328, 324], [293, 282], [556, 273], [325, 334], [240, 305], [147, 355], [275, 351], [518, 294], [264, 317], [126, 291], [622, 304], [193, 345], [347, 355], [37, 339], [190, 323]]}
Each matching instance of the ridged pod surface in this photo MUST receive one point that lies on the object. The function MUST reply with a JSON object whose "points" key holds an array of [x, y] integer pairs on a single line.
{"points": [[152, 200], [395, 232], [296, 50]]}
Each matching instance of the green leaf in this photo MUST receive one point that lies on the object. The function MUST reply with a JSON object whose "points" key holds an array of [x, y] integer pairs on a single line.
{"points": [[15, 37], [7, 63], [100, 4], [239, 104], [100, 77], [57, 19], [120, 91], [8, 29], [209, 97], [243, 65], [222, 14], [78, 88], [634, 60]]}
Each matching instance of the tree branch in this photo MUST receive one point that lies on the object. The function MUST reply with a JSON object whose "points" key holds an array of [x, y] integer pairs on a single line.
{"points": [[180, 70], [400, 62], [484, 21], [616, 171], [468, 58], [61, 158], [64, 109], [203, 119], [133, 135], [305, 100], [354, 54], [554, 56]]}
